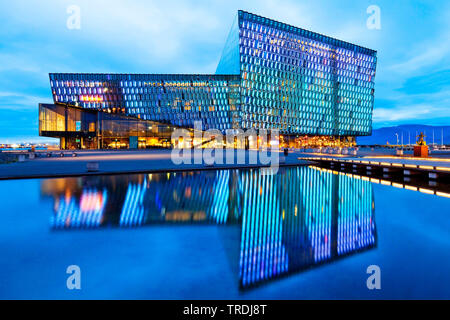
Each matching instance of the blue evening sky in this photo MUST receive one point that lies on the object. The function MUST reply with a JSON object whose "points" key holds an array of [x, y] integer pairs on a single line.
{"points": [[118, 36]]}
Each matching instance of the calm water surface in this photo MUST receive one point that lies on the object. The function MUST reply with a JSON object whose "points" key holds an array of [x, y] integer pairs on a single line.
{"points": [[230, 234]]}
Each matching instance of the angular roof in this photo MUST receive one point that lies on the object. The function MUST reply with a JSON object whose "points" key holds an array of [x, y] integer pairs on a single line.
{"points": [[304, 33], [230, 60]]}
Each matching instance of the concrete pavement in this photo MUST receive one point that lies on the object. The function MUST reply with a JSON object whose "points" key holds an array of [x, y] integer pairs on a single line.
{"points": [[123, 162]]}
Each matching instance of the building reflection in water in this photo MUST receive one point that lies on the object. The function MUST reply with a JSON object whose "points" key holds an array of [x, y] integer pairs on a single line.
{"points": [[300, 218]]}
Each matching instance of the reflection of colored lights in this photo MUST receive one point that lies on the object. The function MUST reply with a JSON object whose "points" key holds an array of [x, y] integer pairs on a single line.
{"points": [[290, 221], [87, 212], [133, 210], [68, 195], [91, 202], [355, 228], [292, 229], [187, 192], [219, 209], [262, 253]]}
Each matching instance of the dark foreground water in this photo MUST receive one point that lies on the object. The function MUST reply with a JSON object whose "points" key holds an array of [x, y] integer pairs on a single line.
{"points": [[232, 234]]}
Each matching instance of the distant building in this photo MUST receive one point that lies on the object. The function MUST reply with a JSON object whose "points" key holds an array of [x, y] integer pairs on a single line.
{"points": [[313, 88]]}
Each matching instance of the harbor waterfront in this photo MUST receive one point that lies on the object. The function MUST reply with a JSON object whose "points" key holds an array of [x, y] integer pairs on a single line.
{"points": [[63, 164], [43, 164], [225, 159]]}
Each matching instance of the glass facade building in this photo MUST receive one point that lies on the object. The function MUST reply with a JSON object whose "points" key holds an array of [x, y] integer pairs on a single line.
{"points": [[174, 99], [271, 76], [80, 128], [298, 81]]}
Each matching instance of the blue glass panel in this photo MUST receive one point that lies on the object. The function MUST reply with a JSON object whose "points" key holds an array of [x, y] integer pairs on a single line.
{"points": [[229, 62]]}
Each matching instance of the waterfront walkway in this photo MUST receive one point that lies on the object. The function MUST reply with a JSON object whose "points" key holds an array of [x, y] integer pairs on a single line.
{"points": [[387, 160], [425, 172], [120, 162]]}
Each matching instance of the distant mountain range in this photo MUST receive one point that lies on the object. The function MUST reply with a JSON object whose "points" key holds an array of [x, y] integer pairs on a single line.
{"points": [[409, 131]]}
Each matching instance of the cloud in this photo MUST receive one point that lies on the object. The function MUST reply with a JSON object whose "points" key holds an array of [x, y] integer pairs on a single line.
{"points": [[431, 51], [19, 101], [429, 83], [428, 55], [402, 113], [420, 107]]}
